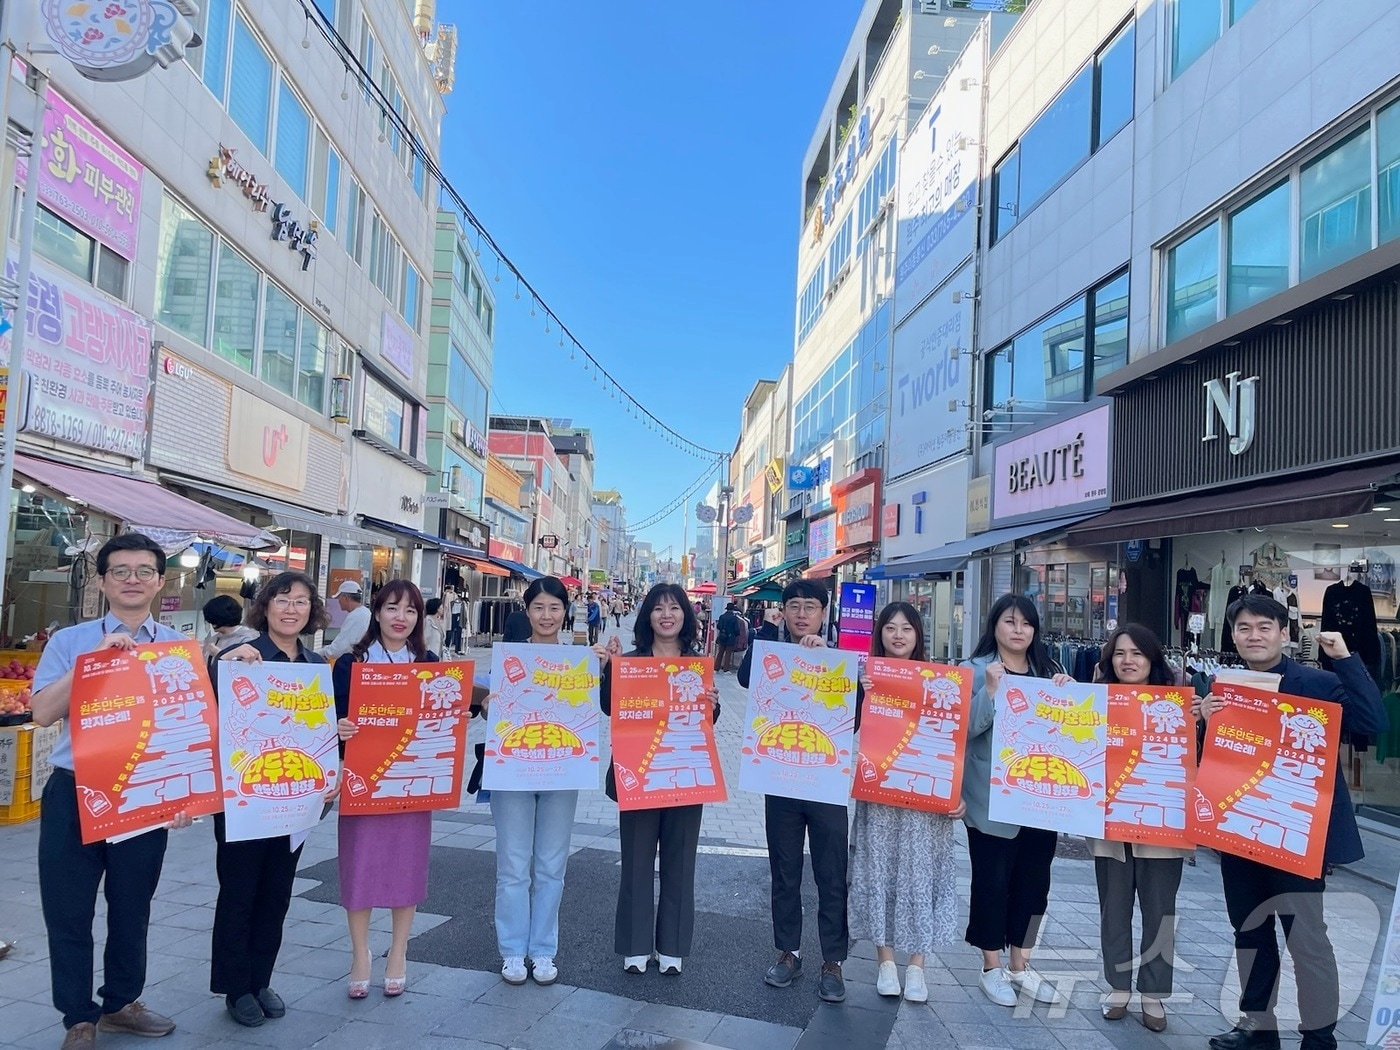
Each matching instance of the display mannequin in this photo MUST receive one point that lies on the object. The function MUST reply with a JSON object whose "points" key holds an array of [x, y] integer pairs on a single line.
{"points": [[1216, 603], [1349, 608], [1286, 594]]}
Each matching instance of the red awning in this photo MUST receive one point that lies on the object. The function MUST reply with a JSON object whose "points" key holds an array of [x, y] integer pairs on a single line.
{"points": [[708, 587], [827, 566], [140, 505], [483, 567], [570, 581]]}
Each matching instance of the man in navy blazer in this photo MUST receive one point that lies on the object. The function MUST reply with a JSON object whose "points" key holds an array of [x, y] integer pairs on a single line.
{"points": [[1255, 892]]}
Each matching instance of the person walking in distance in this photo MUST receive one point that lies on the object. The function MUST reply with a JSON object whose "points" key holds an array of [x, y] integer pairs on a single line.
{"points": [[131, 572], [595, 618], [727, 629], [618, 608], [351, 600]]}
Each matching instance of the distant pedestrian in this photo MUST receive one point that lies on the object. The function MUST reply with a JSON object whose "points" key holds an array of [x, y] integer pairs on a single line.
{"points": [[595, 618], [727, 629], [351, 599], [434, 625], [618, 608], [225, 615], [457, 618]]}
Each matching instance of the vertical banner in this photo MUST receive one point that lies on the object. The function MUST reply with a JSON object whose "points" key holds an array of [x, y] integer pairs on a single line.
{"points": [[913, 735], [143, 725], [856, 609], [1267, 777], [542, 724], [1048, 744], [277, 746], [1385, 1001], [1150, 764], [800, 724], [663, 736], [408, 753]]}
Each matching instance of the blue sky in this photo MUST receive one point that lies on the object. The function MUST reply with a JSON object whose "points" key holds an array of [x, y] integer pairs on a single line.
{"points": [[642, 168]]}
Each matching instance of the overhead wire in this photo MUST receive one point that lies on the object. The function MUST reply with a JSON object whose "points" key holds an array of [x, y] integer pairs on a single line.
{"points": [[661, 515]]}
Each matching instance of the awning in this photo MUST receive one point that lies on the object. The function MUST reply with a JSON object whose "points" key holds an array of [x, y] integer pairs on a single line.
{"points": [[395, 528], [764, 592], [824, 568], [142, 505], [765, 575], [1340, 494], [481, 566], [570, 581], [953, 556], [285, 515], [515, 568]]}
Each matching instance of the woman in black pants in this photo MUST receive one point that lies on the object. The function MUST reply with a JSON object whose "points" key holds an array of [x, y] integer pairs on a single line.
{"points": [[665, 626], [1010, 864]]}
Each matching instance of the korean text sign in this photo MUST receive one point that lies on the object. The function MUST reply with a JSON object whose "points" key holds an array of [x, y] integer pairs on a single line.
{"points": [[1048, 745], [857, 610], [277, 746], [412, 738], [663, 736], [1150, 763], [543, 720], [800, 724], [143, 725], [1267, 776], [913, 735]]}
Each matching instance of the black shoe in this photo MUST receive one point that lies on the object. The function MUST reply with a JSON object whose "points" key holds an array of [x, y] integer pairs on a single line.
{"points": [[245, 1010], [1249, 1033], [271, 1003], [783, 972], [832, 986]]}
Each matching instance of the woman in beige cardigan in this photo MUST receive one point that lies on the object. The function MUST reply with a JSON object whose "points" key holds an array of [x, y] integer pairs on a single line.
{"points": [[1133, 656]]}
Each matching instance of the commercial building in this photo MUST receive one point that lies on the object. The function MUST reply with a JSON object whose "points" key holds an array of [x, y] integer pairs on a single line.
{"points": [[612, 554], [758, 476], [526, 445], [574, 447]]}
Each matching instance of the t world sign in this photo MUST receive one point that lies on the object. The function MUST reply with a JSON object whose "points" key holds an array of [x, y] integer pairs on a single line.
{"points": [[1064, 465]]}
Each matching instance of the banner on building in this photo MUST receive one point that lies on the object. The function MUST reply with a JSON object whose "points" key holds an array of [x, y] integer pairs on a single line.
{"points": [[143, 726], [277, 746], [408, 753], [1150, 765], [1267, 776], [800, 725], [542, 724], [663, 736], [913, 735], [1048, 744]]}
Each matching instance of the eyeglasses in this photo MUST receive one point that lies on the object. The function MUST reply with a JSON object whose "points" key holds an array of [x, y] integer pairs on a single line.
{"points": [[122, 573], [299, 604], [803, 607]]}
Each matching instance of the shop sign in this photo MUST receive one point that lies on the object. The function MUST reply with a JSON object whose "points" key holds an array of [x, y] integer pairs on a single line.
{"points": [[756, 562], [396, 344], [979, 505], [505, 549], [1235, 402], [173, 366], [300, 237], [1060, 466], [112, 41], [889, 520], [858, 142], [266, 443], [88, 365], [476, 440], [549, 541], [1133, 548], [773, 474], [795, 542], [857, 498], [437, 499], [409, 505], [86, 177], [856, 613], [821, 538]]}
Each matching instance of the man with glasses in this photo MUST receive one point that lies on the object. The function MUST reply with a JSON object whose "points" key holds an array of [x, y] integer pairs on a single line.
{"points": [[131, 568], [788, 822]]}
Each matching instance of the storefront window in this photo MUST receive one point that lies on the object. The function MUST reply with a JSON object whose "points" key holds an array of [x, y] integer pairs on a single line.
{"points": [[1259, 249], [1388, 156], [1193, 278], [235, 309], [311, 363], [39, 587], [279, 345], [1335, 205], [184, 261]]}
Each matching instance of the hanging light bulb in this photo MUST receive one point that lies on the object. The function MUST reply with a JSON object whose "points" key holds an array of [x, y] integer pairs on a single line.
{"points": [[498, 269], [306, 32], [345, 85], [478, 243], [532, 306], [546, 329], [571, 353]]}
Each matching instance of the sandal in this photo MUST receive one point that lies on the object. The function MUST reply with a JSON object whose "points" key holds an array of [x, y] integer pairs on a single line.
{"points": [[359, 989]]}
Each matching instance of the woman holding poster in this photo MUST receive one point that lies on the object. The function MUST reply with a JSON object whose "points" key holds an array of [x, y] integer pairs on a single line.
{"points": [[1133, 656], [665, 626], [255, 875], [383, 857], [903, 861], [1010, 864]]}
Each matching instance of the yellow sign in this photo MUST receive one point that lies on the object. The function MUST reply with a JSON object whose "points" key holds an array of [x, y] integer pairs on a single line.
{"points": [[774, 474]]}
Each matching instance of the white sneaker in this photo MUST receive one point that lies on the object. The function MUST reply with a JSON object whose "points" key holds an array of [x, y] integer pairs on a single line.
{"points": [[915, 991], [996, 985], [513, 970], [887, 983], [635, 963], [544, 972], [1033, 985], [670, 964]]}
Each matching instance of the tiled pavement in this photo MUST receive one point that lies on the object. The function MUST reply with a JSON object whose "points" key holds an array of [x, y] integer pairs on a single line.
{"points": [[448, 1007]]}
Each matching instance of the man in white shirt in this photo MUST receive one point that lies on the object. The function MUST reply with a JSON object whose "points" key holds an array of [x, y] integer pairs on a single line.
{"points": [[356, 623]]}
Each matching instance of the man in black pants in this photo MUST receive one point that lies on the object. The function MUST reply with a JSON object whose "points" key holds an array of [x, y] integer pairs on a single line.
{"points": [[1255, 892], [789, 821], [131, 568]]}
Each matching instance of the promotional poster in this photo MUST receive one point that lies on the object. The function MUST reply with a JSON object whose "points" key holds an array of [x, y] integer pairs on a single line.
{"points": [[663, 736], [542, 725], [1150, 764]]}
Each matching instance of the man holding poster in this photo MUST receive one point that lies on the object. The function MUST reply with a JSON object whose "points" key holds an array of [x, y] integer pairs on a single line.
{"points": [[1256, 892], [131, 572]]}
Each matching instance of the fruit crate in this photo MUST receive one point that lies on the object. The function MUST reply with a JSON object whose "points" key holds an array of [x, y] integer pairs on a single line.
{"points": [[10, 687], [16, 768]]}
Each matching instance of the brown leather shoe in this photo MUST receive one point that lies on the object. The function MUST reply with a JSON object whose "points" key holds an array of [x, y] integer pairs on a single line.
{"points": [[135, 1019], [82, 1036]]}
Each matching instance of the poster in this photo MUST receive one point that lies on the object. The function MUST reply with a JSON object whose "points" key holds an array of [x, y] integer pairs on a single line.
{"points": [[408, 753], [1385, 1002], [277, 746], [1048, 745], [1150, 764], [142, 722], [663, 737], [542, 724], [1267, 776], [800, 723], [856, 617], [913, 735]]}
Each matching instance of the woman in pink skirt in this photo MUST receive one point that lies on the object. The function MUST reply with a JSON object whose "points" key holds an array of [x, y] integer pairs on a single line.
{"points": [[383, 857]]}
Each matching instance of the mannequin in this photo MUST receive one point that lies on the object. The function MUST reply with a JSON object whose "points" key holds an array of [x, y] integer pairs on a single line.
{"points": [[1349, 608], [1286, 594], [1219, 588]]}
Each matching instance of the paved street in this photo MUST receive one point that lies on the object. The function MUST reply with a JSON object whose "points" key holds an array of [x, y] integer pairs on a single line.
{"points": [[456, 1000]]}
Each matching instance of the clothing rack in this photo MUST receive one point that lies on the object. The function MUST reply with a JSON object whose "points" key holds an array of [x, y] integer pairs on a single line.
{"points": [[1078, 656]]}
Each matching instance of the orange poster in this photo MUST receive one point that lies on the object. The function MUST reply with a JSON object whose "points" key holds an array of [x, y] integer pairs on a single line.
{"points": [[1268, 772], [143, 722], [913, 735], [663, 737], [1150, 764], [412, 737]]}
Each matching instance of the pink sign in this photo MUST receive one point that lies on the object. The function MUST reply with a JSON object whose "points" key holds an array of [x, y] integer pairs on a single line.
{"points": [[396, 345], [87, 178], [88, 362], [1061, 466]]}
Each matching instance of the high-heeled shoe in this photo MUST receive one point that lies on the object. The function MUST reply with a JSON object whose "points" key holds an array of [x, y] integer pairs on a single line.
{"points": [[1114, 1008], [394, 986], [1157, 1020], [359, 989]]}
